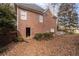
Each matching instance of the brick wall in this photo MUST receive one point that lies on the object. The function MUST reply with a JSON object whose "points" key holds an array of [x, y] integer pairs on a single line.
{"points": [[34, 23], [49, 21]]}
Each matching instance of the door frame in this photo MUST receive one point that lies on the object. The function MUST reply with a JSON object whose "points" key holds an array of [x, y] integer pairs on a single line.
{"points": [[30, 31]]}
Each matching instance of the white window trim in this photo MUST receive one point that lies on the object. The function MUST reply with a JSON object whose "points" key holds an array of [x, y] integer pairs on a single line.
{"points": [[23, 15], [41, 18]]}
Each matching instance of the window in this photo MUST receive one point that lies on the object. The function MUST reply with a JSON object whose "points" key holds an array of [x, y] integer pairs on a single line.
{"points": [[52, 30], [23, 15], [41, 18]]}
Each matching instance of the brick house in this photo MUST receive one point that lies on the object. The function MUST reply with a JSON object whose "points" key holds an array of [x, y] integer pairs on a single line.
{"points": [[33, 19]]}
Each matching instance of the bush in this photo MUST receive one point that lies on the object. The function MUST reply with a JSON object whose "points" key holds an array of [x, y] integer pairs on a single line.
{"points": [[19, 37], [47, 36], [6, 38], [3, 49], [43, 36], [38, 36]]}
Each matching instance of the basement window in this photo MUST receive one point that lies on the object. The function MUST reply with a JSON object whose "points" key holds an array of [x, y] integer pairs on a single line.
{"points": [[52, 30], [41, 18], [23, 15]]}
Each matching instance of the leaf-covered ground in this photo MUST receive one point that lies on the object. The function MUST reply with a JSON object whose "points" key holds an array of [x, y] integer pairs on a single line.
{"points": [[64, 45]]}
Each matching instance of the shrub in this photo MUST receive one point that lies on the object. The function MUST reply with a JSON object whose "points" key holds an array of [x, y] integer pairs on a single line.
{"points": [[71, 32], [43, 36], [16, 39], [38, 36], [47, 36], [3, 49], [6, 39], [19, 37]]}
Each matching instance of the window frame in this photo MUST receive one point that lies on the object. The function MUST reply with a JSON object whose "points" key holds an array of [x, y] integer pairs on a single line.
{"points": [[23, 15], [52, 30], [41, 18]]}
